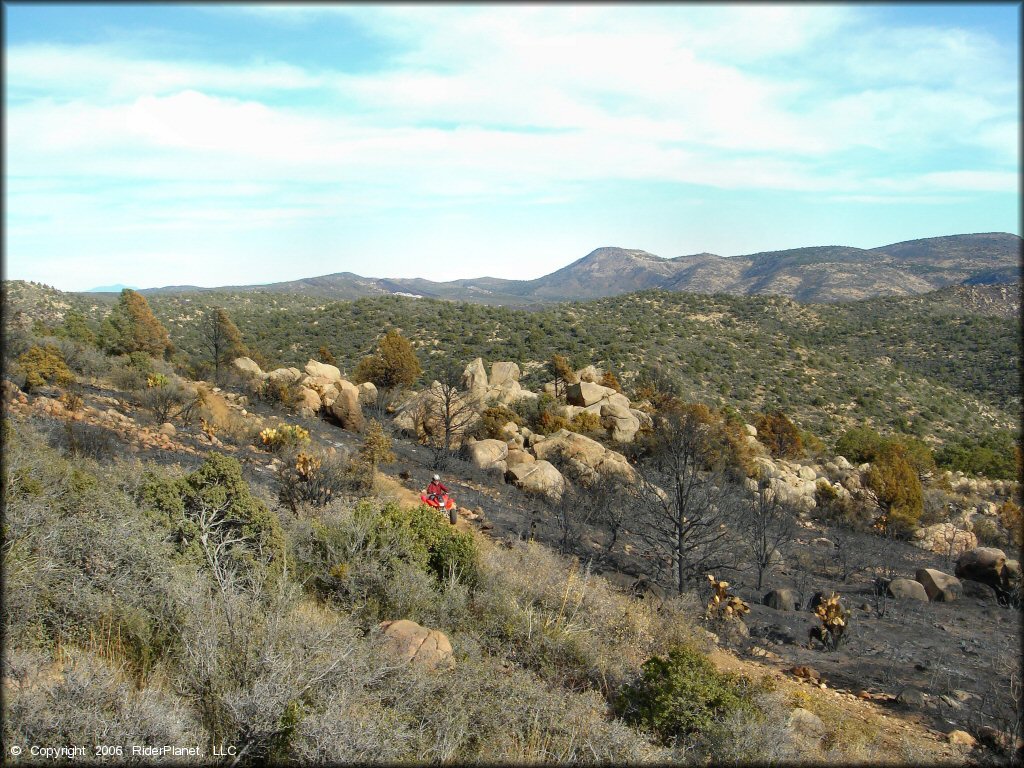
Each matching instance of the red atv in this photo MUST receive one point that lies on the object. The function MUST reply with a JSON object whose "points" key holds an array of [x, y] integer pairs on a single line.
{"points": [[441, 502]]}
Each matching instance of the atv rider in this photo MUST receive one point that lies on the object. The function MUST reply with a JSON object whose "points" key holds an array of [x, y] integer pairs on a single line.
{"points": [[436, 491]]}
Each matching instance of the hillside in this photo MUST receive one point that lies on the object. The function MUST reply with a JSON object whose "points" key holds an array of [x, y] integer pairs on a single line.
{"points": [[940, 365], [131, 606], [817, 274]]}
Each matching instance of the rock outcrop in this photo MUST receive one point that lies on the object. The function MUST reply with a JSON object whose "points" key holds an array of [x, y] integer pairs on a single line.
{"points": [[585, 459], [944, 538], [621, 423]]}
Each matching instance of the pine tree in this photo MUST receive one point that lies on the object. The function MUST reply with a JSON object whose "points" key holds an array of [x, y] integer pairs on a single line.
{"points": [[222, 339], [132, 327], [394, 366], [376, 448], [562, 373]]}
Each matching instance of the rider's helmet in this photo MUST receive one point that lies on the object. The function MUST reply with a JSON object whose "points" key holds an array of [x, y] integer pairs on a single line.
{"points": [[436, 478]]}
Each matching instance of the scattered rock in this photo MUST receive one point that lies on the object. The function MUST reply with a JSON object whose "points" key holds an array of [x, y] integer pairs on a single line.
{"points": [[805, 673], [911, 697], [907, 589], [961, 738], [782, 600]]}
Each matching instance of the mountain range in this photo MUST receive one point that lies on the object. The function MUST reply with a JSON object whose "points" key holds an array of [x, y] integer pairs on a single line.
{"points": [[815, 274]]}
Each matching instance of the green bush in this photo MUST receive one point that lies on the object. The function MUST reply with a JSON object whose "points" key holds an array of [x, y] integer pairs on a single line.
{"points": [[897, 487], [993, 456], [44, 365], [584, 422], [682, 695], [428, 541], [859, 444], [217, 490], [494, 418]]}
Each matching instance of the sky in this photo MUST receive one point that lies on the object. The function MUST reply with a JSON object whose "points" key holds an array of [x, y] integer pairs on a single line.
{"points": [[210, 145]]}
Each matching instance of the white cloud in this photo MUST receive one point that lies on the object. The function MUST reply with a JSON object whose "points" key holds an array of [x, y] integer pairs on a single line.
{"points": [[500, 103]]}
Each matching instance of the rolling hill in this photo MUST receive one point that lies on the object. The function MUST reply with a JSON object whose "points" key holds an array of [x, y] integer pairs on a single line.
{"points": [[817, 274]]}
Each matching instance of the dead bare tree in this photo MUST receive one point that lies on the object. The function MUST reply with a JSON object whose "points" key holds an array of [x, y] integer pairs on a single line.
{"points": [[450, 412], [684, 499], [766, 527]]}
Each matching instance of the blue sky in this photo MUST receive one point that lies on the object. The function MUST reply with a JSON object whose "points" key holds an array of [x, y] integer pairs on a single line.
{"points": [[214, 145]]}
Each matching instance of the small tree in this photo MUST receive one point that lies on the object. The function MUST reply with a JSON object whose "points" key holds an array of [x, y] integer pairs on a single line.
{"points": [[222, 339], [76, 328], [609, 379], [394, 366], [897, 488], [451, 412], [563, 374], [323, 354], [132, 327], [376, 447], [780, 435], [767, 529], [658, 385], [684, 497]]}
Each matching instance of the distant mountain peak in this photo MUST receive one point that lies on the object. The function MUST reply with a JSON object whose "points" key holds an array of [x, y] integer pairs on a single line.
{"points": [[809, 274]]}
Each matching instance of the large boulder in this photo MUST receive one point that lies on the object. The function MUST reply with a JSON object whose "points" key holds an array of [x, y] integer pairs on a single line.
{"points": [[516, 456], [307, 401], [485, 454], [474, 378], [941, 587], [944, 539], [409, 642], [367, 394], [590, 374], [984, 564], [284, 376], [346, 408], [503, 372], [620, 422], [323, 370], [538, 477], [804, 730], [782, 600], [586, 393], [907, 589], [247, 366], [588, 459]]}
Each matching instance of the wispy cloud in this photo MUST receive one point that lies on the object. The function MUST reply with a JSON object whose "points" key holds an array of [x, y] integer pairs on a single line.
{"points": [[526, 103]]}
